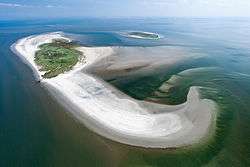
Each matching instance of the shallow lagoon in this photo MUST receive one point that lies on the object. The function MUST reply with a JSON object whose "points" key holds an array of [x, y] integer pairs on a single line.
{"points": [[36, 131]]}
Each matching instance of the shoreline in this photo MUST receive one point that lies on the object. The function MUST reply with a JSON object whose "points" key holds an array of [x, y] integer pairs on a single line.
{"points": [[114, 115]]}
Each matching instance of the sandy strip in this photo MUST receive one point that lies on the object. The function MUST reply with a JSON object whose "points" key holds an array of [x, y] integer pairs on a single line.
{"points": [[113, 114]]}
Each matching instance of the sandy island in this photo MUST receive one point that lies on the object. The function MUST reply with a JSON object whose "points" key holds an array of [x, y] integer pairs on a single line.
{"points": [[142, 35], [111, 113]]}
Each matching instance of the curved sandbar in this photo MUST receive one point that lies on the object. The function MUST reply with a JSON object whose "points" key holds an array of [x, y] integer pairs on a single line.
{"points": [[112, 114]]}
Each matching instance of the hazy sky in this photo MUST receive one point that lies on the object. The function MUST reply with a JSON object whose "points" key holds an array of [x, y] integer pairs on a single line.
{"points": [[11, 9]]}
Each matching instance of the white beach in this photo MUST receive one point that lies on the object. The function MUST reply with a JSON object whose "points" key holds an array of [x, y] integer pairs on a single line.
{"points": [[111, 113]]}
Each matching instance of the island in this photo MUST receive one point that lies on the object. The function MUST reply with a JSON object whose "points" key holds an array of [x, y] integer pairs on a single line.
{"points": [[142, 35], [68, 72]]}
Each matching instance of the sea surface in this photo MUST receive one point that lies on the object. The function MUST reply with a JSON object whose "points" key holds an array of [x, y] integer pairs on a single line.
{"points": [[35, 131]]}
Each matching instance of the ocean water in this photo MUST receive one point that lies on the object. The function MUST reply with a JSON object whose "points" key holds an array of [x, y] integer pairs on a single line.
{"points": [[36, 131]]}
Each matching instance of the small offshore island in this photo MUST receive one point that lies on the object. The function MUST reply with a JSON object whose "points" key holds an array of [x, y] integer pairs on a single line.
{"points": [[66, 70], [142, 35]]}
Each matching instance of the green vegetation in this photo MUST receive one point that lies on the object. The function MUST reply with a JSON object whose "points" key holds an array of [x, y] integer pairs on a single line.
{"points": [[56, 57]]}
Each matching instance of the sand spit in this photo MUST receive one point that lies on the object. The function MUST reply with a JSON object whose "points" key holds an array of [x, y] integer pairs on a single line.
{"points": [[112, 114]]}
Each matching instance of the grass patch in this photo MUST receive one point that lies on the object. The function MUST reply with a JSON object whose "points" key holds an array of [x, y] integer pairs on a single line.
{"points": [[56, 57]]}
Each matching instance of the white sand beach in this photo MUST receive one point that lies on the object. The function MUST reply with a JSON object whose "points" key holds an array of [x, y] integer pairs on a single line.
{"points": [[111, 113]]}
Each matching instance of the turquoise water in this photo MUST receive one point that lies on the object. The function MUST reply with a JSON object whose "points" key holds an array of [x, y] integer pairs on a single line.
{"points": [[36, 131]]}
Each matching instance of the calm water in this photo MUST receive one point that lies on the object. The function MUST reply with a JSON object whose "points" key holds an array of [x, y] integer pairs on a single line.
{"points": [[36, 131]]}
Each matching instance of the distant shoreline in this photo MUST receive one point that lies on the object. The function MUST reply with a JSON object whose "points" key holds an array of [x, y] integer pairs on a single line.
{"points": [[114, 115]]}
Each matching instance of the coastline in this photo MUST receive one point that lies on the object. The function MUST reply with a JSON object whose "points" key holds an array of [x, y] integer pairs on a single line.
{"points": [[113, 114]]}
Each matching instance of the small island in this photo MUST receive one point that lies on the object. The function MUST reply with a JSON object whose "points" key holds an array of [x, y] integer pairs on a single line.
{"points": [[143, 35]]}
